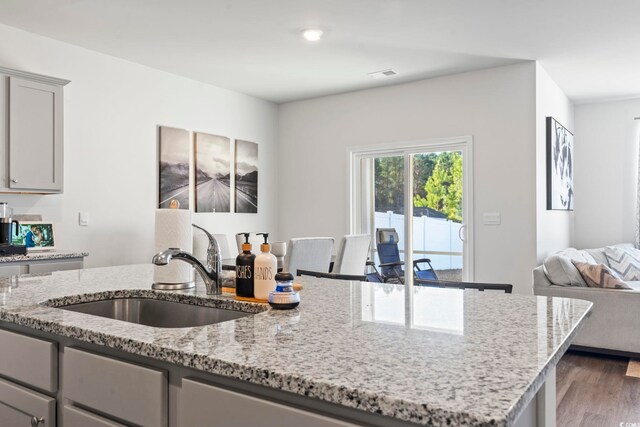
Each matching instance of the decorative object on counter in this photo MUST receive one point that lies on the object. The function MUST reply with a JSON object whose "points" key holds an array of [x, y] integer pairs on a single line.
{"points": [[559, 166], [244, 270], [174, 183], [213, 173], [36, 236], [7, 223], [279, 250], [265, 269], [246, 177], [284, 297], [173, 230], [9, 227]]}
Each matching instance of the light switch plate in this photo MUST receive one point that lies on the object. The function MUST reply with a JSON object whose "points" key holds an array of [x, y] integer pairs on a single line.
{"points": [[491, 218], [84, 218]]}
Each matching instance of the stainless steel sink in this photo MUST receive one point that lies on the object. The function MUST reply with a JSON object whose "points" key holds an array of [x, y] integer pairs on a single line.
{"points": [[156, 313]]}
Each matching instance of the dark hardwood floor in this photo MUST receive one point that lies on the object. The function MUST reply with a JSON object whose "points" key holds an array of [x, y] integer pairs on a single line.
{"points": [[594, 391]]}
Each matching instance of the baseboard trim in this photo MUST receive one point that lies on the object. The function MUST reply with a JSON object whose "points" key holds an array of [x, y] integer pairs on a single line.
{"points": [[604, 351]]}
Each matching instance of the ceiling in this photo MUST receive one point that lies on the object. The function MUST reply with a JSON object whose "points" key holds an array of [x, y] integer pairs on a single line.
{"points": [[589, 47]]}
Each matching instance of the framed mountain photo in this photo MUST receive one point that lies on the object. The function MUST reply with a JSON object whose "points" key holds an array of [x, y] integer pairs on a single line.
{"points": [[213, 173], [246, 194], [174, 179]]}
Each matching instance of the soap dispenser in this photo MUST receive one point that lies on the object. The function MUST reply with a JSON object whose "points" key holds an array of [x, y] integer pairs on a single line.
{"points": [[265, 269], [244, 269]]}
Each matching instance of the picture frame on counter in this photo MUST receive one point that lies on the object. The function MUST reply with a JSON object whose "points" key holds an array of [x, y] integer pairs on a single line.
{"points": [[35, 235]]}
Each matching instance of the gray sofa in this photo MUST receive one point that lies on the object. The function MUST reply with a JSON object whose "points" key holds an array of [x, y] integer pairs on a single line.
{"points": [[614, 325]]}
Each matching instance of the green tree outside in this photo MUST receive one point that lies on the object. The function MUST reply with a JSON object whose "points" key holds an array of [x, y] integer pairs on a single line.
{"points": [[437, 183]]}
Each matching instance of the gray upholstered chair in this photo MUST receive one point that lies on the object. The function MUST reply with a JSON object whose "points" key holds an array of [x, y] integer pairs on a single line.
{"points": [[352, 254], [201, 244], [308, 253], [254, 239]]}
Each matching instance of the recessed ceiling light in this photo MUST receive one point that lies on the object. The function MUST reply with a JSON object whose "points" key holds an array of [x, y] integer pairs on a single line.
{"points": [[312, 35], [383, 74]]}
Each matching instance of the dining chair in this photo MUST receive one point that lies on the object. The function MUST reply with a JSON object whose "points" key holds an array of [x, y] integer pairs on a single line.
{"points": [[308, 253], [335, 276], [353, 251], [254, 239]]}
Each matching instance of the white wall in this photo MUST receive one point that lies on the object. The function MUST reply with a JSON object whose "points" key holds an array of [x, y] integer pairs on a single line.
{"points": [[554, 228], [496, 106], [606, 146], [112, 109]]}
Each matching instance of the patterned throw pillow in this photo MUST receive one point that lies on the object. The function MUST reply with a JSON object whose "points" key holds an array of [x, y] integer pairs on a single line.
{"points": [[624, 261], [599, 276]]}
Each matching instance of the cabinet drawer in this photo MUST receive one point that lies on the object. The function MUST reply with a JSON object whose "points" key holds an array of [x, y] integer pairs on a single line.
{"points": [[11, 270], [20, 406], [127, 391], [29, 360], [201, 403], [47, 267], [76, 417]]}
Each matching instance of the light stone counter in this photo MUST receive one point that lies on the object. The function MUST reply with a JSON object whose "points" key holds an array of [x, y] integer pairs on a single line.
{"points": [[43, 256], [429, 356]]}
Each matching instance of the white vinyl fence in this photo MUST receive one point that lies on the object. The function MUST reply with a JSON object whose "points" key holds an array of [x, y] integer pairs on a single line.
{"points": [[434, 238]]}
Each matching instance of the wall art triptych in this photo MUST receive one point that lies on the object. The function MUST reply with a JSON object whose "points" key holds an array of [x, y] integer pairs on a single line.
{"points": [[201, 164]]}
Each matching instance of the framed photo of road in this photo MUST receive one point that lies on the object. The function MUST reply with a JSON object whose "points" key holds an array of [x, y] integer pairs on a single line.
{"points": [[175, 148], [213, 173], [246, 174]]}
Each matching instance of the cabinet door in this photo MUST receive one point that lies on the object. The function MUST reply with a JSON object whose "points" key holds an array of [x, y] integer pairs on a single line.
{"points": [[35, 136], [29, 360], [20, 406], [130, 392]]}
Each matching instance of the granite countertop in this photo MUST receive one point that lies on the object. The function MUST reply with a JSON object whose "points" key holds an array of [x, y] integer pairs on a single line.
{"points": [[43, 255], [429, 356]]}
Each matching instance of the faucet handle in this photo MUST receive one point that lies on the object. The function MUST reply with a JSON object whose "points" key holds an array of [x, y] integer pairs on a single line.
{"points": [[213, 251]]}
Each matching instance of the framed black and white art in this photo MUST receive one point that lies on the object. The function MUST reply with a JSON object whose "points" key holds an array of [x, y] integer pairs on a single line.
{"points": [[559, 166]]}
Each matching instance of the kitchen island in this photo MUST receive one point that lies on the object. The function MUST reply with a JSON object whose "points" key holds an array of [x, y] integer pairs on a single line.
{"points": [[353, 353]]}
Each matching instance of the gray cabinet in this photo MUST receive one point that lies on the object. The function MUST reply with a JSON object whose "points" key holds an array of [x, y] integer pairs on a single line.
{"points": [[133, 393], [31, 133], [29, 360], [20, 407], [203, 404], [76, 417]]}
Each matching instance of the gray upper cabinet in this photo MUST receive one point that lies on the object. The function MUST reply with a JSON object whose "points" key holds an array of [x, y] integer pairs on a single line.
{"points": [[31, 133]]}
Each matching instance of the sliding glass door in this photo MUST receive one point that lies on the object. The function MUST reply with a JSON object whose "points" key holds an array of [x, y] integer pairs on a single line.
{"points": [[422, 191]]}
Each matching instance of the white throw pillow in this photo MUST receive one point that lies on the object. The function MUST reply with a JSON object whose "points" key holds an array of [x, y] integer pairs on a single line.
{"points": [[561, 271], [624, 261]]}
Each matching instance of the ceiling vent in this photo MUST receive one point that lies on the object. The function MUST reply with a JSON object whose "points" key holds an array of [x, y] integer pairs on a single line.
{"points": [[383, 74]]}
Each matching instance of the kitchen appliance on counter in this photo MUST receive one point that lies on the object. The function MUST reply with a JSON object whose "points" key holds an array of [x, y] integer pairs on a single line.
{"points": [[8, 228]]}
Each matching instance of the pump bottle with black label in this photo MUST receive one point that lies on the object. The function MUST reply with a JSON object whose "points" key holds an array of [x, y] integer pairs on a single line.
{"points": [[244, 270], [265, 269]]}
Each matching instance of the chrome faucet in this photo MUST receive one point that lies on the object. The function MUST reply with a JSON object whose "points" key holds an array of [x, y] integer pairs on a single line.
{"points": [[211, 274]]}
